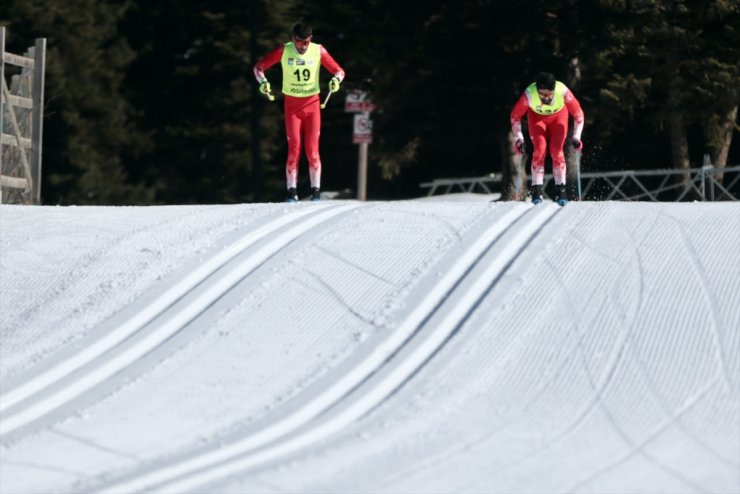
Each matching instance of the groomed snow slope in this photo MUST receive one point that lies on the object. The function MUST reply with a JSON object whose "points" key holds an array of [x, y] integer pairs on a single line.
{"points": [[399, 347]]}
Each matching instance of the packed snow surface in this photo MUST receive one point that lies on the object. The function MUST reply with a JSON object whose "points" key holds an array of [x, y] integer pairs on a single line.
{"points": [[385, 347]]}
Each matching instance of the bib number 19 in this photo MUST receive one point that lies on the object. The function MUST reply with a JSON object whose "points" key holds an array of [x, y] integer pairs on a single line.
{"points": [[300, 75]]}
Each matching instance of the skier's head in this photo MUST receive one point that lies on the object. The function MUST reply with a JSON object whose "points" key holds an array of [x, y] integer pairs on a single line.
{"points": [[301, 35], [545, 83], [545, 80]]}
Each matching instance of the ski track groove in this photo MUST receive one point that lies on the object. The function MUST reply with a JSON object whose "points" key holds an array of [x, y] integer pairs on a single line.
{"points": [[442, 221], [417, 469], [47, 468], [77, 270], [685, 343], [335, 406], [674, 419], [543, 385], [96, 354], [92, 444], [21, 391], [615, 357], [336, 296], [714, 311], [534, 398], [422, 351], [599, 387], [638, 448], [665, 407], [639, 359], [347, 262], [462, 320], [77, 273], [411, 366], [673, 416]]}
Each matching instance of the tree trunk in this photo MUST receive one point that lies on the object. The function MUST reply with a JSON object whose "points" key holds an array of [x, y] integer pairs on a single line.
{"points": [[514, 171], [726, 128], [679, 149], [574, 81], [255, 114], [718, 136]]}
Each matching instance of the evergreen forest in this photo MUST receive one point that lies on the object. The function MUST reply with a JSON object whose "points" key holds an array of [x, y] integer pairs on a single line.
{"points": [[154, 102]]}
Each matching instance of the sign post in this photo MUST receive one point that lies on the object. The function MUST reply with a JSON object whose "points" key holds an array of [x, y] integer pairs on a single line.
{"points": [[362, 135], [357, 103]]}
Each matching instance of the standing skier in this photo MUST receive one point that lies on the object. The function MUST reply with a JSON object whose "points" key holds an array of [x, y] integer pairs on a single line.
{"points": [[301, 60], [545, 102]]}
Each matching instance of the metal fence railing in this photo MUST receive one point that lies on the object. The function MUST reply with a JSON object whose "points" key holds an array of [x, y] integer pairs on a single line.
{"points": [[707, 183]]}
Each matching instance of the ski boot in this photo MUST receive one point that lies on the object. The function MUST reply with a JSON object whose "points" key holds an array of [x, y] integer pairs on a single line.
{"points": [[292, 195], [561, 196], [536, 194], [315, 194]]}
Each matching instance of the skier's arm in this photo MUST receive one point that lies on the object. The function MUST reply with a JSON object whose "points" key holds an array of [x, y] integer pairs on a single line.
{"points": [[331, 65], [574, 108], [520, 108], [266, 62]]}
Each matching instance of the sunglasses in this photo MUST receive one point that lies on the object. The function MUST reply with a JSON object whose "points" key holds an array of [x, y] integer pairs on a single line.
{"points": [[545, 94]]}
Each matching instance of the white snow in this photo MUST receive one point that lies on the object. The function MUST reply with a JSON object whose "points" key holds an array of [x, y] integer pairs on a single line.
{"points": [[431, 346]]}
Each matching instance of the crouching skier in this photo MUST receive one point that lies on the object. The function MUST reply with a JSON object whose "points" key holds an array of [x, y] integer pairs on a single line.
{"points": [[547, 103]]}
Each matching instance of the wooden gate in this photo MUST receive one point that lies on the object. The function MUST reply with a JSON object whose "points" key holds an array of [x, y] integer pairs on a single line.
{"points": [[21, 119]]}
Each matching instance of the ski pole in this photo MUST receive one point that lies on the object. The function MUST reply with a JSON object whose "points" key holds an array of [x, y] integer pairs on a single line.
{"points": [[578, 174], [323, 105]]}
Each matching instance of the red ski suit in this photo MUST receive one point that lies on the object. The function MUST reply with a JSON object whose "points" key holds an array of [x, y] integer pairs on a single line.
{"points": [[302, 119], [542, 128]]}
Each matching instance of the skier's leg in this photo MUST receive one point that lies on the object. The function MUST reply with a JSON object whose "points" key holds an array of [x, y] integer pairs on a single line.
{"points": [[312, 130], [558, 130], [558, 127], [538, 134], [293, 132]]}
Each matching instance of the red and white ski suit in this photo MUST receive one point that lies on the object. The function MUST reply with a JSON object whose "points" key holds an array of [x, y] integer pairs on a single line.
{"points": [[544, 128], [302, 118]]}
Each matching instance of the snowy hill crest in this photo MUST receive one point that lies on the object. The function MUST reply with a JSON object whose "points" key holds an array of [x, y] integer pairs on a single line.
{"points": [[419, 346]]}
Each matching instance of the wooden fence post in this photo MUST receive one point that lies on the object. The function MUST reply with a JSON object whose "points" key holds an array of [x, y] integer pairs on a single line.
{"points": [[2, 100], [22, 107], [37, 116]]}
